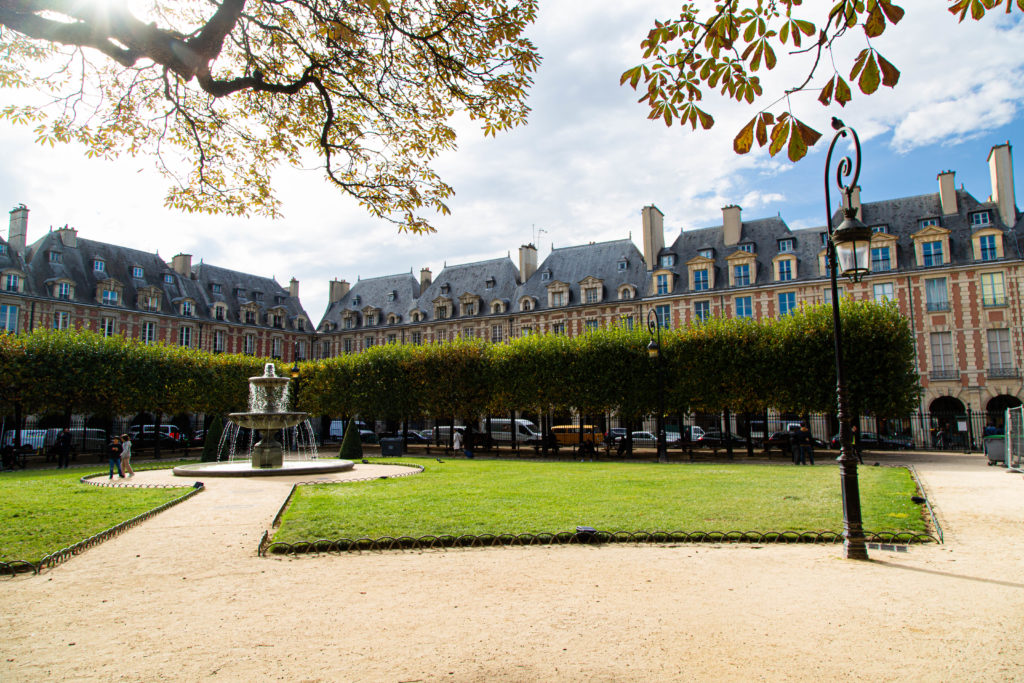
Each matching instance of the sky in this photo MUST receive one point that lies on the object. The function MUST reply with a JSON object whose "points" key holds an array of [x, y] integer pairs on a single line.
{"points": [[585, 165]]}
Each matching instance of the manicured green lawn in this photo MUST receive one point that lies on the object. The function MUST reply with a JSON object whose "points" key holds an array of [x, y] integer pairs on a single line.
{"points": [[490, 496], [42, 511]]}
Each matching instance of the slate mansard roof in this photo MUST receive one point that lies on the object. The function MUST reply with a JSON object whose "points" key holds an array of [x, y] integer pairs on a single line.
{"points": [[573, 265]]}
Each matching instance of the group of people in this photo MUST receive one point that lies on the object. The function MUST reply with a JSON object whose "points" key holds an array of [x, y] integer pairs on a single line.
{"points": [[803, 446], [119, 452]]}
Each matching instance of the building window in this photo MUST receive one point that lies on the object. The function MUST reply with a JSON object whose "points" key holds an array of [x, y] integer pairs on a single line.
{"points": [[883, 229], [107, 327], [63, 290], [987, 243], [622, 265], [744, 307], [257, 296], [741, 275], [663, 315], [150, 303], [99, 266], [883, 292], [11, 282], [557, 298], [785, 270], [110, 297], [275, 347], [3, 249], [785, 246], [707, 253], [417, 338], [368, 342], [700, 280], [468, 309], [593, 295], [469, 333], [249, 345], [667, 260], [627, 322], [218, 312], [925, 222], [545, 276], [391, 296], [981, 218], [61, 320], [497, 333], [932, 253], [168, 279], [999, 358], [392, 338], [880, 260], [942, 353], [590, 325], [218, 341], [749, 248], [138, 273], [936, 298], [787, 303], [186, 309], [558, 328], [626, 293], [55, 257], [278, 323], [348, 346], [148, 333], [701, 310], [250, 317], [8, 318], [662, 284], [993, 289], [184, 336]]}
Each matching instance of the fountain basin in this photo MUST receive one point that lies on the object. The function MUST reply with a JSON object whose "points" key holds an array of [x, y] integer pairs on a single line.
{"points": [[242, 468], [267, 421]]}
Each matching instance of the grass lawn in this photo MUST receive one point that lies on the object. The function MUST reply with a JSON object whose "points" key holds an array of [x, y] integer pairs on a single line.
{"points": [[497, 496], [45, 510]]}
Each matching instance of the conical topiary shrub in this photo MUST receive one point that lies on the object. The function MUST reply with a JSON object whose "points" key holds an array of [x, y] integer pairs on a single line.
{"points": [[211, 440], [351, 446]]}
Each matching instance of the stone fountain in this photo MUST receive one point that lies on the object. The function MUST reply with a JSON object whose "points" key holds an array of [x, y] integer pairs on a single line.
{"points": [[268, 397]]}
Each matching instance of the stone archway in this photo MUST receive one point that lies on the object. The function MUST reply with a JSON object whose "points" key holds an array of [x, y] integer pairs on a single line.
{"points": [[945, 411], [996, 408]]}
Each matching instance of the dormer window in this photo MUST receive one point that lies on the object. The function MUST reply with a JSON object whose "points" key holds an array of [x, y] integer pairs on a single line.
{"points": [[489, 283], [63, 290], [981, 219], [168, 279], [99, 266], [216, 288], [300, 324], [748, 247], [219, 312], [623, 264], [186, 309], [824, 238], [707, 253], [926, 222], [278, 299], [250, 317], [56, 257], [786, 245], [445, 289], [3, 249], [12, 282], [357, 300], [667, 260], [257, 296], [545, 276], [391, 295], [278, 321], [109, 297], [138, 273], [884, 229]]}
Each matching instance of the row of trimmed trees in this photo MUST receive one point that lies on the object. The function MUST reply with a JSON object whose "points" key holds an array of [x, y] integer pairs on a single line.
{"points": [[740, 365]]}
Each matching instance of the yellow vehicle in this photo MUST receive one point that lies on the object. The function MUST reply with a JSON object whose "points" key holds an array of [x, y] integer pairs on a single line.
{"points": [[569, 435]]}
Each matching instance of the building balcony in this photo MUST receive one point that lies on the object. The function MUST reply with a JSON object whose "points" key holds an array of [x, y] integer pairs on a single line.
{"points": [[944, 375], [936, 306], [1005, 372]]}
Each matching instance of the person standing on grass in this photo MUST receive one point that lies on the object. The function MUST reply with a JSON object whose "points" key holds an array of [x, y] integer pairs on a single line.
{"points": [[457, 441], [114, 456], [63, 446], [806, 444], [126, 455]]}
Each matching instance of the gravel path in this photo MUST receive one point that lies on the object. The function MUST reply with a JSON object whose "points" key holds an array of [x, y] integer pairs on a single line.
{"points": [[183, 597]]}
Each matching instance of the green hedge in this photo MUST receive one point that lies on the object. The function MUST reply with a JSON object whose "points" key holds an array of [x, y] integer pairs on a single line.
{"points": [[743, 365]]}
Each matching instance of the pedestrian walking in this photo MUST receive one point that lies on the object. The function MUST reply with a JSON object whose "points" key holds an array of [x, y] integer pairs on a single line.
{"points": [[114, 456], [63, 447], [126, 455], [457, 441], [806, 444], [855, 443]]}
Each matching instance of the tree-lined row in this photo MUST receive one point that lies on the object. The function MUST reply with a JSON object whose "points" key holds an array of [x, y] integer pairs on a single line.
{"points": [[785, 363]]}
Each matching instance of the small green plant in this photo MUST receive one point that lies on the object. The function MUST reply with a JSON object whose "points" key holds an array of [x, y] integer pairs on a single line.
{"points": [[212, 439], [351, 446]]}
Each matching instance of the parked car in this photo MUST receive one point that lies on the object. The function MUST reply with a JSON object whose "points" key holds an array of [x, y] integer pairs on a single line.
{"points": [[641, 440], [778, 440], [716, 439], [414, 436], [872, 441], [198, 437], [168, 433]]}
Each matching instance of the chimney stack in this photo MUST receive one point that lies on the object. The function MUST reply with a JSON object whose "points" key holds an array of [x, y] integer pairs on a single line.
{"points": [[654, 234], [732, 225], [426, 277], [947, 193], [182, 265], [1000, 167], [18, 232], [527, 262], [336, 289], [68, 237], [293, 288]]}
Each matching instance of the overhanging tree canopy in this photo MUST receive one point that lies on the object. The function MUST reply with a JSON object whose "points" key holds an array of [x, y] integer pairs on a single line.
{"points": [[223, 92]]}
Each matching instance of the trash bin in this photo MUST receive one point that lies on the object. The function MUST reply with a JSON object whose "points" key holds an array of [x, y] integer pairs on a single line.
{"points": [[391, 446], [995, 449]]}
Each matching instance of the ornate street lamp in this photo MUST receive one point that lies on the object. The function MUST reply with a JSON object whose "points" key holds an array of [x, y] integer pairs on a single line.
{"points": [[848, 248], [654, 351]]}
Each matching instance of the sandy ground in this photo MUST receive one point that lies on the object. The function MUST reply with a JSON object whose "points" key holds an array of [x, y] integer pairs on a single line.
{"points": [[184, 597]]}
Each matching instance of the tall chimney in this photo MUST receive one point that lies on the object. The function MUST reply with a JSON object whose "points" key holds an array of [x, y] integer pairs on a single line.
{"points": [[1000, 167], [182, 265], [336, 289], [654, 234], [947, 193], [68, 237], [293, 288], [426, 277], [527, 262], [18, 233], [732, 225]]}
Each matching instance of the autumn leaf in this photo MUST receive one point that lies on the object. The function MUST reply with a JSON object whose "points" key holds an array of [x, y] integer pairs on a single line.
{"points": [[741, 143]]}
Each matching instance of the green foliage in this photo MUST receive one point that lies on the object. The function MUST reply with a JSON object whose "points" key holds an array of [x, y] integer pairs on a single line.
{"points": [[498, 496], [211, 440], [703, 50], [351, 446]]}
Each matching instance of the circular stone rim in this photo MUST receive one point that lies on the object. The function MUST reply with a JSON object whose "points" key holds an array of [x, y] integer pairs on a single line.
{"points": [[236, 469]]}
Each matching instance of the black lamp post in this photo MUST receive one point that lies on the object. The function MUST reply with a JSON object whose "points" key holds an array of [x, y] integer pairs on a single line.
{"points": [[848, 248], [654, 351], [295, 372]]}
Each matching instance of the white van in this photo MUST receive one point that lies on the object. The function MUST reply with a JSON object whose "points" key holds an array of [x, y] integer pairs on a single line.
{"points": [[501, 430], [337, 429]]}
